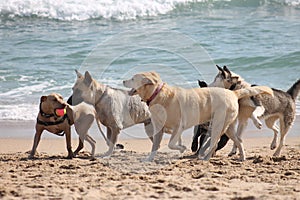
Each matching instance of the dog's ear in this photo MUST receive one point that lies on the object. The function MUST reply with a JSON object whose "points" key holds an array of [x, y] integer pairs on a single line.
{"points": [[43, 98], [154, 74], [147, 81], [79, 75], [222, 71], [225, 68], [88, 78], [202, 84], [151, 79]]}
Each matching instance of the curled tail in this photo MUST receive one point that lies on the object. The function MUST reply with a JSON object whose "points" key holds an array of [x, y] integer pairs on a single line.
{"points": [[294, 90], [252, 91]]}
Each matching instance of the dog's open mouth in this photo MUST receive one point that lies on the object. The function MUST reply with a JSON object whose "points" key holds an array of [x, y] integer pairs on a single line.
{"points": [[132, 92]]}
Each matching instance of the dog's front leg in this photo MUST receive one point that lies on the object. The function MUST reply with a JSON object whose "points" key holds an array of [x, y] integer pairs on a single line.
{"points": [[68, 141], [176, 137], [37, 138], [156, 143], [259, 111]]}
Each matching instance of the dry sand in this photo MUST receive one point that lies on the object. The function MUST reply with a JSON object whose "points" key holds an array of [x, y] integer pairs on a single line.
{"points": [[170, 176]]}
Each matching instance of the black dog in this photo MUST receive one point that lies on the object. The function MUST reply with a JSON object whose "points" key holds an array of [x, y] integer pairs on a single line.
{"points": [[201, 131]]}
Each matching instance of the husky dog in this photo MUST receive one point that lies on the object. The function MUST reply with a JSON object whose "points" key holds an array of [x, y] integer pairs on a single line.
{"points": [[280, 107], [115, 109]]}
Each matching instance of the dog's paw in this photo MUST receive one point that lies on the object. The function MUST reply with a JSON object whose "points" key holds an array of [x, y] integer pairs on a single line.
{"points": [[148, 159], [71, 155], [241, 159], [93, 158], [182, 149], [258, 124], [276, 154], [273, 146], [106, 156], [232, 153], [205, 158]]}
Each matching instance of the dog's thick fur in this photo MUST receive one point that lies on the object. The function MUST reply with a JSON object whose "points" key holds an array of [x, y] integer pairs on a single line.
{"points": [[81, 115], [175, 109], [115, 109], [280, 107]]}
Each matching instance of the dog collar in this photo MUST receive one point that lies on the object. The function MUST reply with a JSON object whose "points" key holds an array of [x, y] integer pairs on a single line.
{"points": [[155, 93], [52, 123]]}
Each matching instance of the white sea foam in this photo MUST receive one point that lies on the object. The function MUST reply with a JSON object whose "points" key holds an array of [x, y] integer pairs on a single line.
{"points": [[68, 10], [19, 112], [25, 90], [88, 9]]}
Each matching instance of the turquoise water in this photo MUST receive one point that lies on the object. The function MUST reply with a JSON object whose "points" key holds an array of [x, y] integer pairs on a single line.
{"points": [[42, 42]]}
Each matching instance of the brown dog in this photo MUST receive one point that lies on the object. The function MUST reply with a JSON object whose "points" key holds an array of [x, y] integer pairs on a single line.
{"points": [[50, 119]]}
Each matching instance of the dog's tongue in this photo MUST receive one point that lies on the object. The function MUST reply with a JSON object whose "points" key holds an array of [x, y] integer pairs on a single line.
{"points": [[60, 112], [132, 92]]}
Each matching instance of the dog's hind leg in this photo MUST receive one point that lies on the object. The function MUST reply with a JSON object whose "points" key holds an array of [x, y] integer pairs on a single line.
{"points": [[270, 122], [243, 122], [92, 142], [284, 128], [79, 147], [237, 141], [113, 132], [82, 126]]}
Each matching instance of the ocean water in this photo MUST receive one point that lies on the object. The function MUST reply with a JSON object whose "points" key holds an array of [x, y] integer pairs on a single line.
{"points": [[43, 41]]}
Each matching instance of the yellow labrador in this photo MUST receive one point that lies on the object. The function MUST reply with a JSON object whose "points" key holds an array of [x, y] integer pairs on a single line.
{"points": [[174, 109]]}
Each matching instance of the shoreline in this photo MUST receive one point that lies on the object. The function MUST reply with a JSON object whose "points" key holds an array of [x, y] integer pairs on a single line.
{"points": [[26, 129]]}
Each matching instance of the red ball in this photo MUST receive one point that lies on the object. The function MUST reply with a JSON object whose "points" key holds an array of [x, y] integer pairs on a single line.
{"points": [[60, 112]]}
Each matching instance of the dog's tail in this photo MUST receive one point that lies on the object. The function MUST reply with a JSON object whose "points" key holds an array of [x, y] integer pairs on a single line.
{"points": [[102, 133], [294, 90], [252, 91]]}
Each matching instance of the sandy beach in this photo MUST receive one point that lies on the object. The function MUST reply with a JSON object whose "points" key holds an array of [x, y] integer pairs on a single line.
{"points": [[125, 176]]}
